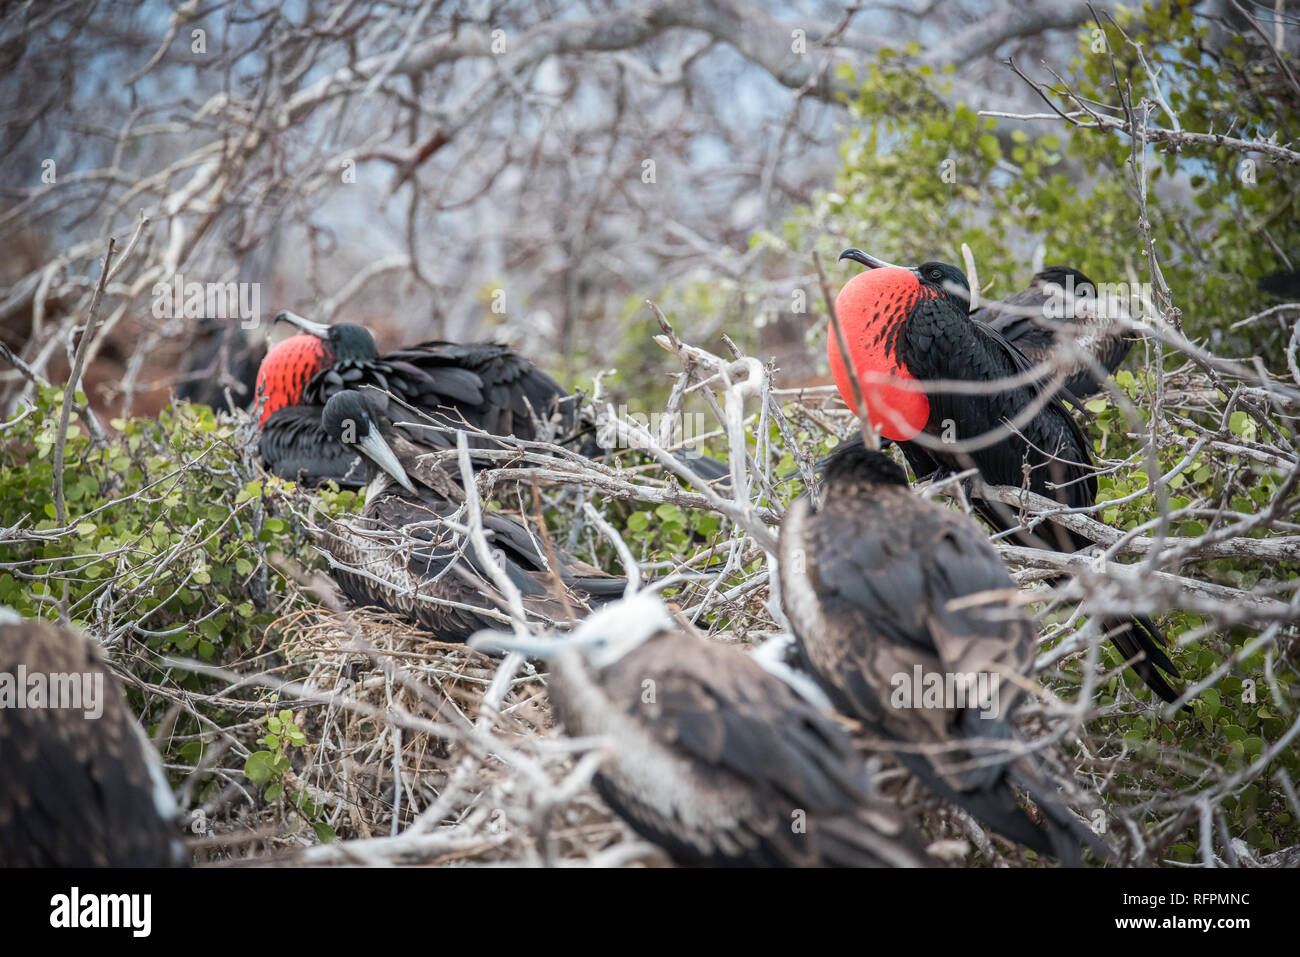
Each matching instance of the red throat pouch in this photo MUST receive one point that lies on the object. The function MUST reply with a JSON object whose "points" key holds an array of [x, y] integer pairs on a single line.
{"points": [[285, 372], [871, 307]]}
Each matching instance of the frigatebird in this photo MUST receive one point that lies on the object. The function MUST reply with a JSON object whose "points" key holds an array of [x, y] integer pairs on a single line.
{"points": [[888, 594], [408, 552], [906, 326], [477, 386], [1061, 301], [710, 757], [80, 784]]}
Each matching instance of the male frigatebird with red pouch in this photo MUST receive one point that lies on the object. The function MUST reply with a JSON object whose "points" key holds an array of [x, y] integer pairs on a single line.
{"points": [[472, 386], [478, 385], [905, 327]]}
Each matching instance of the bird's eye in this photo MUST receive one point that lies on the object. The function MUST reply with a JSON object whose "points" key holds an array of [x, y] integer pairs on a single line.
{"points": [[935, 275]]}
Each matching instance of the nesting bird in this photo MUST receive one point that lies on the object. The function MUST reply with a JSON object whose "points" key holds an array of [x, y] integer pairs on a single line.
{"points": [[901, 610], [481, 385], [1062, 302], [711, 758], [80, 784], [409, 553], [906, 327]]}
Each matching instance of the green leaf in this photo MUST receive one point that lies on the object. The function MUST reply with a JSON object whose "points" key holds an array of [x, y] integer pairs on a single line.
{"points": [[257, 766]]}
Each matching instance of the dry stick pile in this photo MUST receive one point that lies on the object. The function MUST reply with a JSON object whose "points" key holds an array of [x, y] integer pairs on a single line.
{"points": [[424, 752]]}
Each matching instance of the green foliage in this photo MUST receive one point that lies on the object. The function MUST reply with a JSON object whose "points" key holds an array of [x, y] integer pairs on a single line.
{"points": [[172, 540], [271, 766], [922, 174], [1235, 718], [170, 532]]}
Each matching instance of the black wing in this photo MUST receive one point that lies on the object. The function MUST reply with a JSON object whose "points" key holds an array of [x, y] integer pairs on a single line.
{"points": [[512, 392], [940, 343], [1054, 430], [1062, 469], [294, 446]]}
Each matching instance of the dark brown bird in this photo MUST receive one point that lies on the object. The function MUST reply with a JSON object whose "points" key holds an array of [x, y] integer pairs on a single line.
{"points": [[900, 607], [407, 552], [80, 784], [1061, 301], [712, 758]]}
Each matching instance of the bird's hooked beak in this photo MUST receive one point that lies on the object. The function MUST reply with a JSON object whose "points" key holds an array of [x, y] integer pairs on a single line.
{"points": [[603, 637], [871, 262], [502, 643], [379, 452], [318, 329]]}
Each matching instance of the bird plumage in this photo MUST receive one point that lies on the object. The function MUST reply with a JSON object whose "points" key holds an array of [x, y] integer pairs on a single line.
{"points": [[1061, 301], [407, 551], [75, 790], [476, 386], [1021, 435], [877, 583], [715, 760]]}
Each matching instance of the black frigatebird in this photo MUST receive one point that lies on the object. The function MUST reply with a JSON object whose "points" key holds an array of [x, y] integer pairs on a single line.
{"points": [[888, 593], [80, 784], [406, 548], [1059, 301], [479, 385], [907, 326], [711, 758]]}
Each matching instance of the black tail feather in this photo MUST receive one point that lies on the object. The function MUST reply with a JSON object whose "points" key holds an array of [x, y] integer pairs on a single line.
{"points": [[1133, 636], [1140, 640], [709, 469], [600, 589]]}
